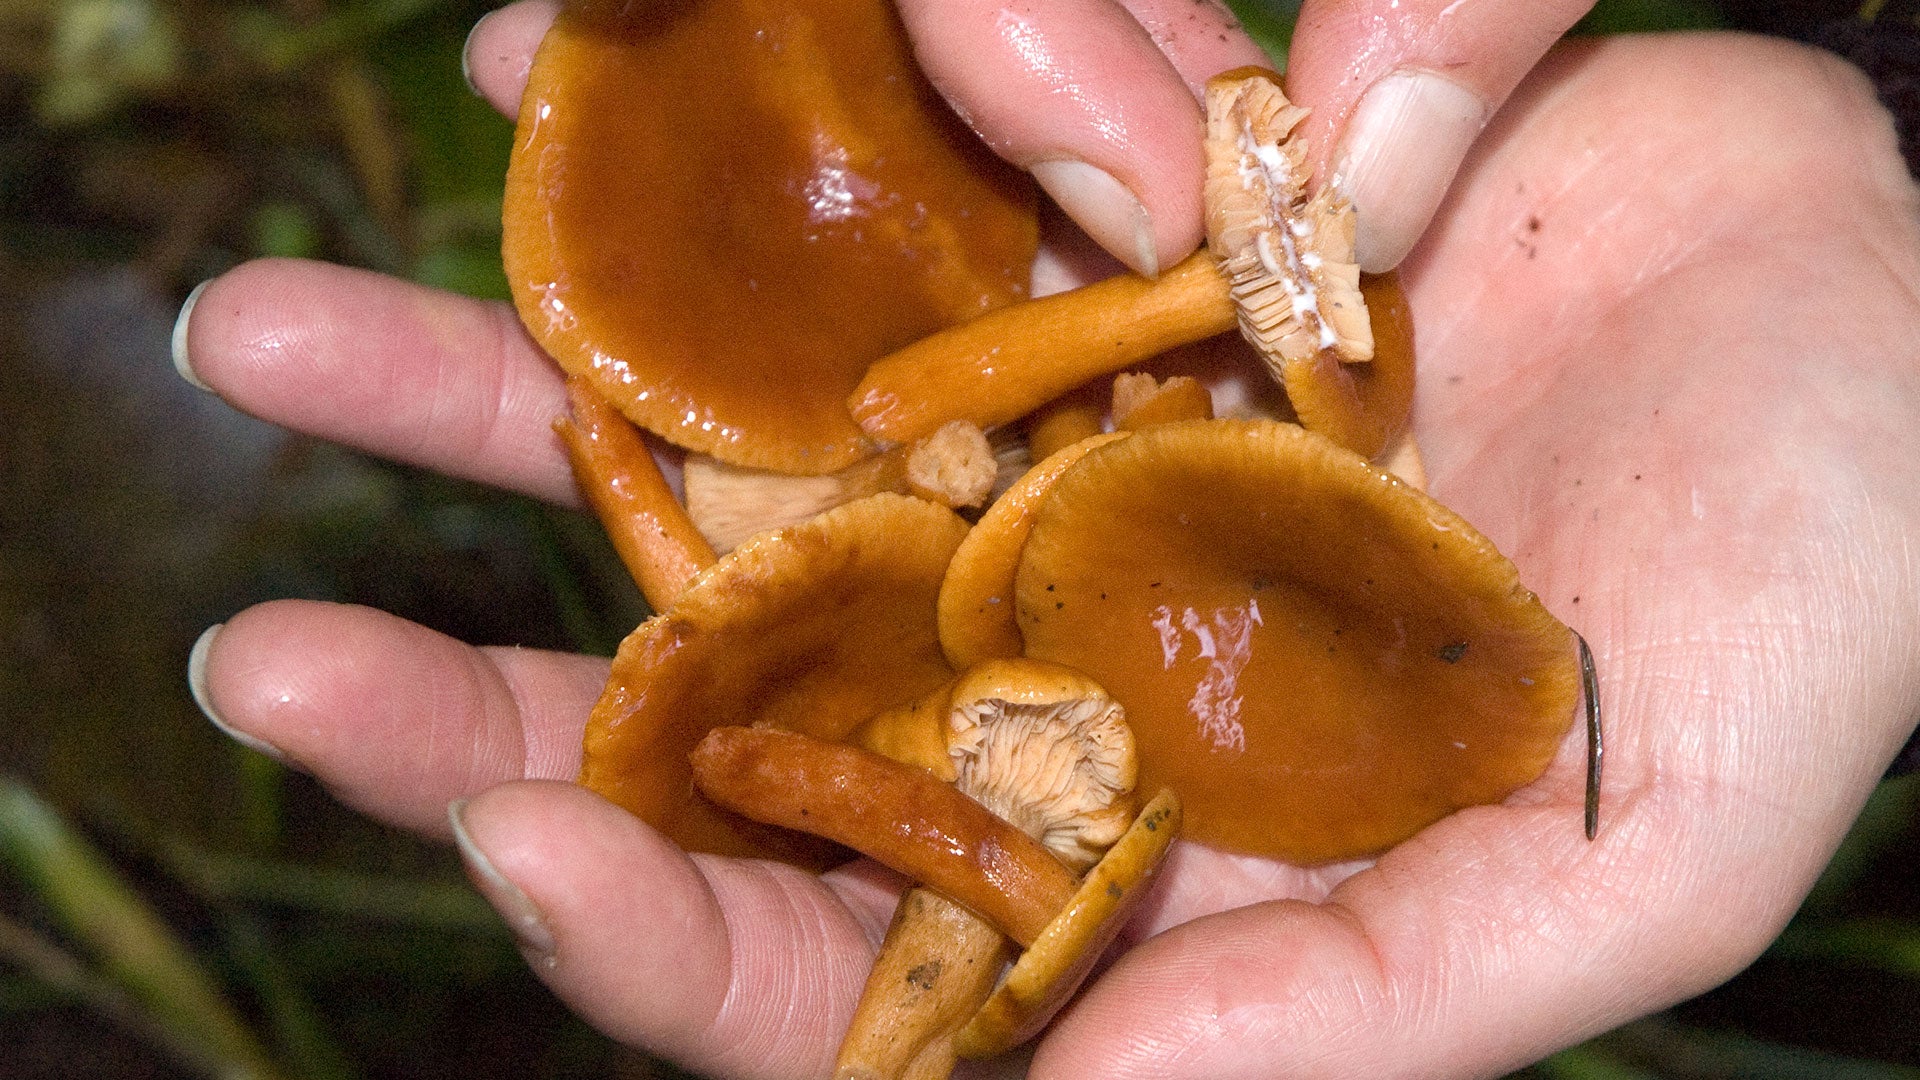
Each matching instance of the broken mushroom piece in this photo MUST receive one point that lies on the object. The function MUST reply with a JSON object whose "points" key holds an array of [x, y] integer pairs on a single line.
{"points": [[778, 199], [1140, 400], [812, 628], [956, 466], [1318, 658]]}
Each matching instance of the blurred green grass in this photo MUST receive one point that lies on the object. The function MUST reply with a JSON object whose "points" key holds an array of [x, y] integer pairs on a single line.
{"points": [[172, 905]]}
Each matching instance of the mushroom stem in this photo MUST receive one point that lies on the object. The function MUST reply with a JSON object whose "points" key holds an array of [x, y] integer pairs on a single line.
{"points": [[617, 473], [1005, 364], [899, 815], [937, 965]]}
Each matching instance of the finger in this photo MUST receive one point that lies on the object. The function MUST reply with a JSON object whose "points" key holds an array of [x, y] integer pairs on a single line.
{"points": [[499, 51], [730, 967], [1472, 951], [396, 719], [1079, 93], [396, 369], [1400, 89]]}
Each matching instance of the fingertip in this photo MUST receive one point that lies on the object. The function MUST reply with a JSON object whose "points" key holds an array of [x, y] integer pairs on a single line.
{"points": [[182, 352], [522, 915], [1110, 214], [499, 51], [1079, 93], [1398, 156], [198, 685]]}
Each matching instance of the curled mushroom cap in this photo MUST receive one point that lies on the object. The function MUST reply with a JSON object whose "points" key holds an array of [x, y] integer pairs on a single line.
{"points": [[721, 211], [976, 598], [1048, 973], [813, 628], [1318, 658], [1045, 748]]}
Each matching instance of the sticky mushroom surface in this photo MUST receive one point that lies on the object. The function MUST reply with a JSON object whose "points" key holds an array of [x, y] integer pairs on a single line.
{"points": [[1318, 658], [721, 211]]}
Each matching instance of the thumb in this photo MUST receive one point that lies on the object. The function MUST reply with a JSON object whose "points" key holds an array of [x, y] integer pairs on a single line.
{"points": [[1400, 89]]}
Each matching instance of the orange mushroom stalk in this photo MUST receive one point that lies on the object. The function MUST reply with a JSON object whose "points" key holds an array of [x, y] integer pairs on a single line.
{"points": [[655, 539], [1278, 264], [896, 814]]}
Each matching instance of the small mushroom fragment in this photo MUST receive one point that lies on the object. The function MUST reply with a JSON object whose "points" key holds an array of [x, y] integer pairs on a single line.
{"points": [[778, 198], [813, 628], [1318, 658], [1279, 265], [956, 466], [1140, 400], [1078, 414]]}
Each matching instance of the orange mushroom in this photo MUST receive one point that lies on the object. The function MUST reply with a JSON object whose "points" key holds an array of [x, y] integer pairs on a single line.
{"points": [[1031, 749], [1294, 633], [1278, 264], [721, 211], [814, 628], [976, 597]]}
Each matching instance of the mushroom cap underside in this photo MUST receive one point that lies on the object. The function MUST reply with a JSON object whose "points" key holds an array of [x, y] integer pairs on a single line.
{"points": [[1318, 658], [777, 199], [814, 628], [1047, 749]]}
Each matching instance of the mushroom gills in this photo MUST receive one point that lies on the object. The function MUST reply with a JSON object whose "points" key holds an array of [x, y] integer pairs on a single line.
{"points": [[1288, 254]]}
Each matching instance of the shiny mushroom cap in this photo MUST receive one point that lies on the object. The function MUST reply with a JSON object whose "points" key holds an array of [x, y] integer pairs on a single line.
{"points": [[721, 211], [1045, 748], [813, 628], [1318, 658]]}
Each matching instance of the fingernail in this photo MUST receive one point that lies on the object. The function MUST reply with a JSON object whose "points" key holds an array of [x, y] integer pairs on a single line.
{"points": [[466, 53], [1398, 156], [197, 684], [181, 362], [523, 918], [1105, 208]]}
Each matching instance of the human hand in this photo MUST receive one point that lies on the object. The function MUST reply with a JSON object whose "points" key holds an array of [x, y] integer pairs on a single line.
{"points": [[1737, 557], [1399, 91]]}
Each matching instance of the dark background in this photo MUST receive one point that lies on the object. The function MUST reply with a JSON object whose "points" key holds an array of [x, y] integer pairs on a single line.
{"points": [[172, 905]]}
